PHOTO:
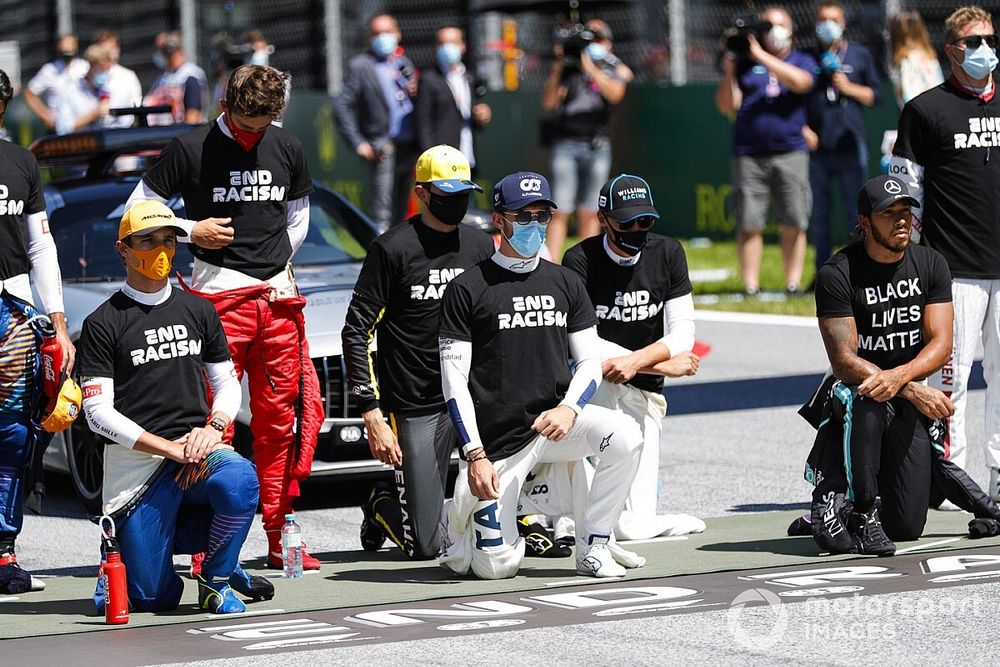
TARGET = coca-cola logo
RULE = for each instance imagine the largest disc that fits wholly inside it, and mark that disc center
(48, 368)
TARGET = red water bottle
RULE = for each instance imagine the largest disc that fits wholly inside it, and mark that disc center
(113, 574)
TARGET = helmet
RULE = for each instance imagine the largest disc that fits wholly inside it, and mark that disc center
(63, 411)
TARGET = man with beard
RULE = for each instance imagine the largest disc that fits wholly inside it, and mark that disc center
(885, 315)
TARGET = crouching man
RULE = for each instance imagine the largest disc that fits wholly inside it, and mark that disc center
(885, 314)
(508, 328)
(170, 483)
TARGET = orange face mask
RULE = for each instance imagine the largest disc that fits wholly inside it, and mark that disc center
(154, 264)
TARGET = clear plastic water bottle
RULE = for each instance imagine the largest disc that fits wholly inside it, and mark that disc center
(291, 547)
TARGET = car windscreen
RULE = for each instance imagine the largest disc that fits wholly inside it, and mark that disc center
(85, 234)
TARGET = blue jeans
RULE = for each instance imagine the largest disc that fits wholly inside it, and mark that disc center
(579, 168)
(212, 515)
(848, 166)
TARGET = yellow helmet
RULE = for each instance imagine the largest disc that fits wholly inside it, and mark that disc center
(58, 416)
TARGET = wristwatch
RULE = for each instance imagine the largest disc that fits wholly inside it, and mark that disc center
(218, 424)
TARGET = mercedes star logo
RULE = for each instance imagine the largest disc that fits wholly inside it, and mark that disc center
(893, 188)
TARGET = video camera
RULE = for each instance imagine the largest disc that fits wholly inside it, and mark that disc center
(573, 39)
(737, 34)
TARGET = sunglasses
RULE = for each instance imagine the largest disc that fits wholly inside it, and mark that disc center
(974, 41)
(523, 217)
(643, 222)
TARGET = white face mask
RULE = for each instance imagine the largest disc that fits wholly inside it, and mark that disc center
(778, 38)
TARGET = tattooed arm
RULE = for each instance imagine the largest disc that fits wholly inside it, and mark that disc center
(840, 336)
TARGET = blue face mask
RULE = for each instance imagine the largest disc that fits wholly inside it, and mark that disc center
(448, 54)
(384, 44)
(527, 239)
(258, 58)
(100, 79)
(980, 62)
(829, 32)
(597, 51)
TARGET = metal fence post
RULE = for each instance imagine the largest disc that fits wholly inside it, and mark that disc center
(676, 13)
(189, 28)
(334, 49)
(64, 17)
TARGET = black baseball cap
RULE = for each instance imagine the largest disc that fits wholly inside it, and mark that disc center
(626, 197)
(882, 192)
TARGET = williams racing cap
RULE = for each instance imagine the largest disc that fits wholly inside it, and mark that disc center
(447, 168)
(146, 215)
(882, 192)
(515, 191)
(626, 197)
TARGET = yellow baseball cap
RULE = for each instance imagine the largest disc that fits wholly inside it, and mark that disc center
(62, 412)
(447, 168)
(144, 216)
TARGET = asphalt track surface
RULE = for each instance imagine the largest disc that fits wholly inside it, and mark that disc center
(733, 446)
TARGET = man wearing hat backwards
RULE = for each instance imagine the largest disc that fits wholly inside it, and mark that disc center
(170, 483)
(641, 292)
(27, 258)
(885, 314)
(398, 296)
(508, 328)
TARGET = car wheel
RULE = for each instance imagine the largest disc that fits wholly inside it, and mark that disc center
(86, 464)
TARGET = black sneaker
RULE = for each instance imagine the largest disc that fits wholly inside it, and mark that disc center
(537, 540)
(801, 527)
(871, 538)
(829, 525)
(372, 535)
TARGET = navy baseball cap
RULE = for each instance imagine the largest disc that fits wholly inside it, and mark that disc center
(626, 197)
(882, 192)
(515, 191)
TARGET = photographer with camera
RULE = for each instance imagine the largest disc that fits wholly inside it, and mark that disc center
(375, 116)
(848, 82)
(765, 83)
(585, 82)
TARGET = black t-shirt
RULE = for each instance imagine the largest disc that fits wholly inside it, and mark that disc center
(519, 326)
(629, 300)
(398, 295)
(20, 196)
(584, 113)
(217, 178)
(887, 301)
(953, 134)
(156, 356)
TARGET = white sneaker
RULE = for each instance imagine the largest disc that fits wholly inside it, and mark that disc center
(37, 584)
(948, 506)
(624, 557)
(598, 562)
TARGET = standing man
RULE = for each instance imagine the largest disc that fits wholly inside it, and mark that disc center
(508, 328)
(639, 285)
(170, 482)
(26, 249)
(847, 84)
(84, 104)
(885, 314)
(398, 297)
(183, 85)
(42, 92)
(944, 152)
(247, 184)
(447, 112)
(766, 88)
(582, 90)
(374, 114)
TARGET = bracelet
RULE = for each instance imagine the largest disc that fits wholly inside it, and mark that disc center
(478, 458)
(218, 424)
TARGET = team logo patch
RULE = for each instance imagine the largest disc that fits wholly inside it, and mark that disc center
(892, 187)
(606, 442)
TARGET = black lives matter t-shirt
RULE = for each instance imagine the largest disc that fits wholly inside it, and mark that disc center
(887, 301)
(156, 356)
(20, 196)
(956, 138)
(398, 295)
(628, 300)
(519, 326)
(217, 178)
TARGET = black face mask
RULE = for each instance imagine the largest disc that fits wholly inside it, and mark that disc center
(631, 242)
(449, 209)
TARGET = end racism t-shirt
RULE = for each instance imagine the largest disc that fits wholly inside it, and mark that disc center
(519, 326)
(887, 301)
(156, 356)
(629, 300)
(20, 196)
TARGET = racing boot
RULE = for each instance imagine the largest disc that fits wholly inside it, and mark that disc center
(250, 585)
(13, 579)
(871, 539)
(537, 541)
(801, 526)
(372, 535)
(595, 559)
(830, 525)
(274, 557)
(218, 598)
(196, 561)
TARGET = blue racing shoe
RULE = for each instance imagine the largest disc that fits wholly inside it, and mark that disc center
(250, 585)
(218, 597)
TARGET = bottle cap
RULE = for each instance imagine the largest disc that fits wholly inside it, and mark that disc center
(289, 517)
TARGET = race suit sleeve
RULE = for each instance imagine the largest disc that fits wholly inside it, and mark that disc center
(909, 158)
(227, 394)
(45, 274)
(456, 363)
(368, 303)
(585, 347)
(298, 222)
(678, 324)
(103, 418)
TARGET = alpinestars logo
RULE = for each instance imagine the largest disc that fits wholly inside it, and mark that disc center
(589, 563)
(606, 442)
